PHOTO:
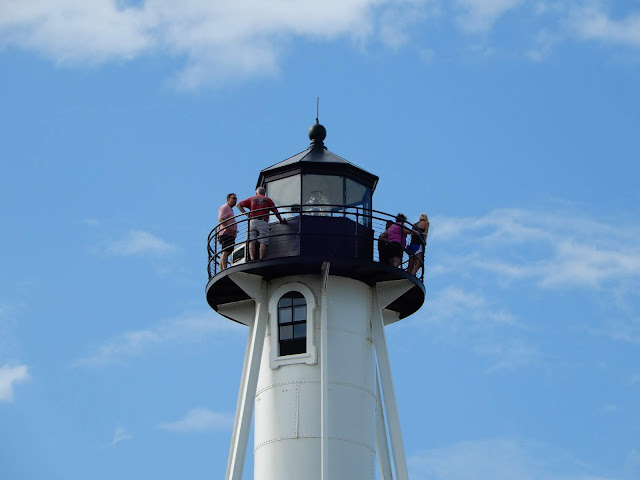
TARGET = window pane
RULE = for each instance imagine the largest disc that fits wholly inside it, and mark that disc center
(284, 315)
(300, 330)
(358, 195)
(293, 347)
(284, 302)
(299, 301)
(285, 191)
(286, 332)
(299, 313)
(322, 190)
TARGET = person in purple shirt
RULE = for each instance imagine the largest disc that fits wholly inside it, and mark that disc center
(227, 229)
(397, 238)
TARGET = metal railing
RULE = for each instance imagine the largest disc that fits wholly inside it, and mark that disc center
(374, 222)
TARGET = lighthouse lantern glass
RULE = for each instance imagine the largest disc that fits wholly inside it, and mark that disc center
(319, 190)
(322, 195)
(285, 191)
(358, 195)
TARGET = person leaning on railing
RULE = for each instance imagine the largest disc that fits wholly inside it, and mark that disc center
(259, 207)
(397, 238)
(418, 244)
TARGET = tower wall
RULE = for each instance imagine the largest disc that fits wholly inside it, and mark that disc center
(288, 397)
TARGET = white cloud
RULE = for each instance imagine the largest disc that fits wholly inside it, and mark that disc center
(137, 342)
(120, 434)
(498, 459)
(479, 16)
(552, 249)
(590, 22)
(218, 39)
(199, 420)
(70, 31)
(221, 41)
(395, 20)
(138, 242)
(10, 376)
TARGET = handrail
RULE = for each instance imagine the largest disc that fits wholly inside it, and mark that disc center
(376, 222)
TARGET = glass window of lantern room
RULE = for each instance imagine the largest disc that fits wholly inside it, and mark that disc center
(358, 196)
(292, 324)
(285, 192)
(319, 190)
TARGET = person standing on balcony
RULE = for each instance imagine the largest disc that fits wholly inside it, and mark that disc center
(383, 242)
(397, 238)
(228, 229)
(259, 208)
(418, 244)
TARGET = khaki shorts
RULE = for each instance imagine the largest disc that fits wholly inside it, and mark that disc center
(259, 230)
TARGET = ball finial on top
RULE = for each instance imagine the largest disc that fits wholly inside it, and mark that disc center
(317, 133)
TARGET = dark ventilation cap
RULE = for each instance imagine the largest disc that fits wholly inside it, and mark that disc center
(317, 134)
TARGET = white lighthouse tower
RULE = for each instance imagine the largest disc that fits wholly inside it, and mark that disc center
(316, 366)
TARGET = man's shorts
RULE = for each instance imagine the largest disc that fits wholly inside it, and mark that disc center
(226, 242)
(259, 230)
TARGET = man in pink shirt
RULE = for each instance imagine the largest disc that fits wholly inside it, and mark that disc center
(227, 229)
(260, 206)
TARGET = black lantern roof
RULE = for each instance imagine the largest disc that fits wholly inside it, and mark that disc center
(317, 159)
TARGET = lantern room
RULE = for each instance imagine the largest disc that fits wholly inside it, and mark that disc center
(318, 182)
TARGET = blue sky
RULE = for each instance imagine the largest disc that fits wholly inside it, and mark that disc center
(512, 123)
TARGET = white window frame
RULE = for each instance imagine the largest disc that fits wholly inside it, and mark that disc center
(310, 357)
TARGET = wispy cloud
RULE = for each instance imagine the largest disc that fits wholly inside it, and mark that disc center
(10, 376)
(553, 249)
(136, 343)
(478, 16)
(199, 420)
(139, 242)
(556, 251)
(119, 435)
(459, 309)
(619, 329)
(512, 354)
(455, 315)
(499, 459)
(591, 22)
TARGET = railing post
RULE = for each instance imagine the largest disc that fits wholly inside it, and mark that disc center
(356, 227)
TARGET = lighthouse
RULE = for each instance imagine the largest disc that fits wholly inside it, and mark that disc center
(316, 373)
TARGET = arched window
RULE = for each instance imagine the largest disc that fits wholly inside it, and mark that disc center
(292, 324)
